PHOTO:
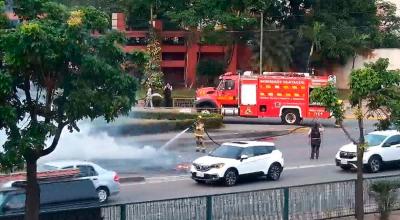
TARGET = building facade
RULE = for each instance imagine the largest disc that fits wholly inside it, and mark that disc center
(182, 51)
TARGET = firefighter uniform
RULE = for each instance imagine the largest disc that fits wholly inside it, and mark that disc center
(199, 135)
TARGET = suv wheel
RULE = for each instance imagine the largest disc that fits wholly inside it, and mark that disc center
(274, 172)
(102, 193)
(374, 164)
(230, 177)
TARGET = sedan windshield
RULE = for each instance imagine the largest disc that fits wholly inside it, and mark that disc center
(226, 151)
(374, 139)
(45, 167)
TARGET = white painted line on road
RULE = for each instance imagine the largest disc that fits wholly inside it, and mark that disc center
(309, 166)
(166, 179)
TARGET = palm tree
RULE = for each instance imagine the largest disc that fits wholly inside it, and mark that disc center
(277, 49)
(317, 34)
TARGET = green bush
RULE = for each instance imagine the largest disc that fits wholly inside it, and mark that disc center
(385, 195)
(169, 115)
(162, 126)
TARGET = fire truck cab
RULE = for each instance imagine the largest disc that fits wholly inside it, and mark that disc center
(272, 94)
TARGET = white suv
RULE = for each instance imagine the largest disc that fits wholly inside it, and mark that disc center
(234, 159)
(383, 147)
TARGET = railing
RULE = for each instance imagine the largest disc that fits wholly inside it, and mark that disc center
(183, 103)
(314, 201)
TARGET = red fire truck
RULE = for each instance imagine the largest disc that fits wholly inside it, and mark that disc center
(272, 94)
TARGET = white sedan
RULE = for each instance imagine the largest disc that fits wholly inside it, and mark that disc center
(105, 181)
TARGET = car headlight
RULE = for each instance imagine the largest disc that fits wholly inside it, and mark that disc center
(217, 166)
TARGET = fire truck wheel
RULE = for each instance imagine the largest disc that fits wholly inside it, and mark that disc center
(291, 117)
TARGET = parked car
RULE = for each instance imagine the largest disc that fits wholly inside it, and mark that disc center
(383, 148)
(106, 182)
(54, 195)
(236, 159)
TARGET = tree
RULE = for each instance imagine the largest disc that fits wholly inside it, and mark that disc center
(56, 72)
(374, 92)
(210, 69)
(153, 76)
(3, 17)
(389, 27)
(277, 50)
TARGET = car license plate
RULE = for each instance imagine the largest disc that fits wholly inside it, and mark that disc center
(344, 162)
(200, 174)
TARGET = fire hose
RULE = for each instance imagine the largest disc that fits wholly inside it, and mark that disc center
(273, 136)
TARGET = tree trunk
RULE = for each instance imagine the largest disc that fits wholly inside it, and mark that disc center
(32, 202)
(354, 61)
(309, 56)
(360, 154)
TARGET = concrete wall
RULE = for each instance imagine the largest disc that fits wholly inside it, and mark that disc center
(343, 72)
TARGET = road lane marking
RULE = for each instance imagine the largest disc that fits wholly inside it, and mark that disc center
(308, 166)
(166, 179)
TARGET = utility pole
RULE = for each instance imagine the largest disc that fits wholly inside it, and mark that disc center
(261, 42)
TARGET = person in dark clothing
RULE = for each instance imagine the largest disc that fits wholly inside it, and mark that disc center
(315, 135)
(168, 95)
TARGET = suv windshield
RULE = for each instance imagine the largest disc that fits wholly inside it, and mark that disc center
(374, 139)
(226, 151)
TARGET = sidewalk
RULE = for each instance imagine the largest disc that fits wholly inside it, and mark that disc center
(349, 112)
(395, 215)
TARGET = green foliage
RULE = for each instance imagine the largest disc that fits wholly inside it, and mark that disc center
(56, 73)
(168, 115)
(165, 121)
(385, 195)
(153, 76)
(135, 63)
(210, 68)
(277, 50)
(389, 36)
(329, 97)
(379, 89)
(3, 18)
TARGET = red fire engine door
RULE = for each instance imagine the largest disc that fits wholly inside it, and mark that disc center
(248, 98)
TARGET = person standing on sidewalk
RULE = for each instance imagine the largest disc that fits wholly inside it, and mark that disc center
(315, 135)
(149, 98)
(168, 95)
(199, 135)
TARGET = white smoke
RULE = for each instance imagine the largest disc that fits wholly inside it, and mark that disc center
(86, 145)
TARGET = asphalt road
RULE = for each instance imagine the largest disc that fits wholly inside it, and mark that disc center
(295, 147)
(299, 169)
(182, 186)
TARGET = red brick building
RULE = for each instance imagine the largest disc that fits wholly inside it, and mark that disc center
(181, 51)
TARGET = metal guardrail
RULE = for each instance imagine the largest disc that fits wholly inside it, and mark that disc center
(183, 102)
(313, 201)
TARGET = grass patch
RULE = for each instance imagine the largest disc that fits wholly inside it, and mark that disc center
(184, 93)
(176, 93)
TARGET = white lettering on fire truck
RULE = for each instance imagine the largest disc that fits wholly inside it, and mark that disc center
(290, 82)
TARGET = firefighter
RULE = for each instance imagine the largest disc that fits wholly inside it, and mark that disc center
(199, 134)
